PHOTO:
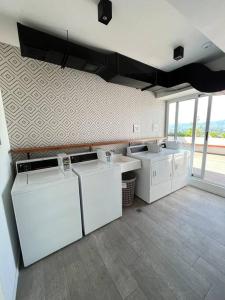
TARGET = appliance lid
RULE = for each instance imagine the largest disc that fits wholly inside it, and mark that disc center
(92, 167)
(47, 176)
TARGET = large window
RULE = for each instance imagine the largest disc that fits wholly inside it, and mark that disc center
(171, 120)
(199, 124)
(185, 122)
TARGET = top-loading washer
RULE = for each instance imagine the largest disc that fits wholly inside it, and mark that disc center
(47, 207)
(100, 190)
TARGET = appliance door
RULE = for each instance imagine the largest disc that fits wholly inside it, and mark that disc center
(161, 184)
(180, 165)
(101, 194)
(48, 218)
(180, 170)
(161, 171)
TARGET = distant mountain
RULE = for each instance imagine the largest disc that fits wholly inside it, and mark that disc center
(218, 126)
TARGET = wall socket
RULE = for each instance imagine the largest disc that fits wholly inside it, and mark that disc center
(136, 128)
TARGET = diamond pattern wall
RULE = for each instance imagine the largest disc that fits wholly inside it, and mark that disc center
(47, 105)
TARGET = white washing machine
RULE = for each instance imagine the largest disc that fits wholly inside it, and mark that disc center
(100, 190)
(47, 207)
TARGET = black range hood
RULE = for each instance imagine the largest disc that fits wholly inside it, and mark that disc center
(114, 67)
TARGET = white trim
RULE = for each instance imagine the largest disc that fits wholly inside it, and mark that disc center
(184, 98)
(16, 277)
(176, 120)
(205, 148)
(166, 119)
(207, 186)
(167, 96)
(194, 133)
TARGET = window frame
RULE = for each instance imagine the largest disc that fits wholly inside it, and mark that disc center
(195, 96)
(177, 101)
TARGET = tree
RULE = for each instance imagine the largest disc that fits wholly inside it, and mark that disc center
(213, 134)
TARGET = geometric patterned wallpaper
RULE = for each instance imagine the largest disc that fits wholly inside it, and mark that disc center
(46, 105)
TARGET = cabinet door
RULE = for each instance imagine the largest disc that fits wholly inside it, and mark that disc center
(161, 171)
(180, 165)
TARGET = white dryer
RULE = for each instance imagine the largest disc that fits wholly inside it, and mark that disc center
(162, 173)
(47, 207)
(100, 190)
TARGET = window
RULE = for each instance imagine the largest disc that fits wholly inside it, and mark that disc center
(199, 124)
(171, 120)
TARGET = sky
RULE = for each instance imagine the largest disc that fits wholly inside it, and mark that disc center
(186, 110)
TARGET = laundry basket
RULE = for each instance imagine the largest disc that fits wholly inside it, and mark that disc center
(128, 186)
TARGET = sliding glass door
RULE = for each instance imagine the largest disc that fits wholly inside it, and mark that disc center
(185, 122)
(214, 169)
(199, 124)
(199, 135)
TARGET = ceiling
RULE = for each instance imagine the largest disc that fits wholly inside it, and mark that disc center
(207, 16)
(145, 30)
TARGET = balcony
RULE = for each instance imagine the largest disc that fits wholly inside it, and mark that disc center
(215, 158)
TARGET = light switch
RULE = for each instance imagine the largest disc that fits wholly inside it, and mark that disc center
(155, 127)
(136, 128)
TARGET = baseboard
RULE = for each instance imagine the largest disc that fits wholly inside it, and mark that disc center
(16, 278)
(206, 186)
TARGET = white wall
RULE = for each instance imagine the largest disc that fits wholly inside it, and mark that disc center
(46, 105)
(8, 235)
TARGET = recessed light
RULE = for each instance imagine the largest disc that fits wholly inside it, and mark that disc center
(207, 45)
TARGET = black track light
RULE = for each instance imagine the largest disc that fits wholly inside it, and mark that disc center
(104, 11)
(178, 53)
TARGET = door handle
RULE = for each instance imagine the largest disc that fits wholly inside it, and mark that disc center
(206, 136)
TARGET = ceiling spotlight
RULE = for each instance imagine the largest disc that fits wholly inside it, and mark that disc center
(178, 53)
(104, 11)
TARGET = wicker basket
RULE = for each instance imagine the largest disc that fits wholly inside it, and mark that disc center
(128, 187)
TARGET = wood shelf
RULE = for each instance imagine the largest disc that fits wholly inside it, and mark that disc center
(88, 145)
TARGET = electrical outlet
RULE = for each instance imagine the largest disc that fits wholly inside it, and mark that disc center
(136, 128)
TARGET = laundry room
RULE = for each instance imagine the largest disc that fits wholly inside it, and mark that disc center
(112, 150)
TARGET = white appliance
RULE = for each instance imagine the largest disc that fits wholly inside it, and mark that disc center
(100, 190)
(47, 207)
(173, 144)
(161, 173)
(154, 147)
